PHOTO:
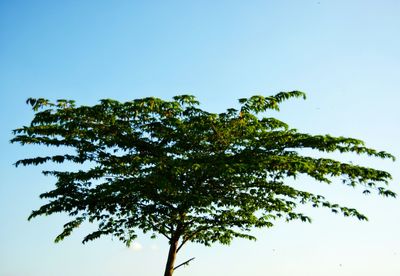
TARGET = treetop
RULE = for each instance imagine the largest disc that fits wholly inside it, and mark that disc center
(174, 169)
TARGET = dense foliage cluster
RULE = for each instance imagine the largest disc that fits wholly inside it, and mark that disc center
(171, 168)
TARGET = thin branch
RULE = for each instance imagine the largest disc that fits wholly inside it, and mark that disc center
(184, 263)
(165, 235)
(156, 227)
(185, 240)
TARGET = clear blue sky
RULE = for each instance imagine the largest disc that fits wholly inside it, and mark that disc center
(344, 54)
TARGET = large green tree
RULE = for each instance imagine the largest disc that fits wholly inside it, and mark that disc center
(173, 169)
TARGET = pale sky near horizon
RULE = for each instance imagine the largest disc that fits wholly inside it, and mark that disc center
(344, 54)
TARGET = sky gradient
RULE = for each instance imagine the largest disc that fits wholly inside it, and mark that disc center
(344, 54)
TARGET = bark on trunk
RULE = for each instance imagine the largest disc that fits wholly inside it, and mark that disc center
(169, 268)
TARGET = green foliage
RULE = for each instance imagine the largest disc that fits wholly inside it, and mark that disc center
(171, 168)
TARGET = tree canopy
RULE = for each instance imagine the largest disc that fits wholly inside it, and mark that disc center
(173, 169)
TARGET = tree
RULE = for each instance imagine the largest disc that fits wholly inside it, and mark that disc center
(173, 169)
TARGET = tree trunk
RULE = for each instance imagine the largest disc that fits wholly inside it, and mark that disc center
(169, 268)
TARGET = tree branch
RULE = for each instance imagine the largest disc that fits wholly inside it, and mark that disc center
(185, 240)
(184, 263)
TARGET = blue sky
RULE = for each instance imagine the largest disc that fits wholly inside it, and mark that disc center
(344, 54)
